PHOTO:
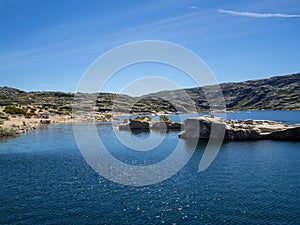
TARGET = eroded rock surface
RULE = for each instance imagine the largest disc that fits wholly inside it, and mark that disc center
(134, 124)
(201, 127)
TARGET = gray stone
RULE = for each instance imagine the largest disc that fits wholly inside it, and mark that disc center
(134, 124)
(235, 130)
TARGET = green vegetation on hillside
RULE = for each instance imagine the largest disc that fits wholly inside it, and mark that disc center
(13, 110)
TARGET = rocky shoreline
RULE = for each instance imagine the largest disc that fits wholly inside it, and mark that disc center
(206, 127)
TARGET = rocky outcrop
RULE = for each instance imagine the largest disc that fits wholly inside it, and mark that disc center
(134, 124)
(129, 124)
(236, 130)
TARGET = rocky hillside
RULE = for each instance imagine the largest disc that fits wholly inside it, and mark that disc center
(275, 93)
(280, 92)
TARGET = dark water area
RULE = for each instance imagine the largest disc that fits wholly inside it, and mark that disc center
(45, 180)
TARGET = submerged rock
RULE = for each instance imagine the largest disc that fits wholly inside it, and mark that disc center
(235, 130)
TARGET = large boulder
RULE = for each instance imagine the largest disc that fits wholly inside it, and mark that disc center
(201, 127)
(134, 125)
(146, 124)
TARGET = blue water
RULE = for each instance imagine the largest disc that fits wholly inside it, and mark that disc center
(289, 117)
(45, 180)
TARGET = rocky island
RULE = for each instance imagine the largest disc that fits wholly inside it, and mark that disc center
(239, 130)
(146, 123)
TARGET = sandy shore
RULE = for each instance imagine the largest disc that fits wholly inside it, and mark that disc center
(21, 124)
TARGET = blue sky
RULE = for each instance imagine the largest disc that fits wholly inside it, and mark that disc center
(48, 45)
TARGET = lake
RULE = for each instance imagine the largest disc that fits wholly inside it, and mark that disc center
(45, 180)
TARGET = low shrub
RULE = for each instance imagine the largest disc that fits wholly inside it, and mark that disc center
(140, 118)
(3, 116)
(164, 118)
(13, 110)
(32, 110)
(108, 116)
(5, 132)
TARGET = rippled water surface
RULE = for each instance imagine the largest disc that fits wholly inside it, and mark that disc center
(45, 180)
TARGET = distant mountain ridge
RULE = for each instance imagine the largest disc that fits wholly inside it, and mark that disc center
(275, 93)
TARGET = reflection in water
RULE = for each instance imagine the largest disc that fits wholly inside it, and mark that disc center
(145, 132)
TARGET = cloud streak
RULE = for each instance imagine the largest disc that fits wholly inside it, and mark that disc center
(259, 15)
(194, 7)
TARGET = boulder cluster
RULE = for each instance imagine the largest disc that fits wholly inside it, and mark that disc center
(146, 124)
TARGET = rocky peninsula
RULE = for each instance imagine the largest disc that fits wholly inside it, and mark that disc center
(239, 130)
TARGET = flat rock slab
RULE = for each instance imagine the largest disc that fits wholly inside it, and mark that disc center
(200, 127)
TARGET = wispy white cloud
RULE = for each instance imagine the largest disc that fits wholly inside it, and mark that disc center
(194, 7)
(258, 15)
